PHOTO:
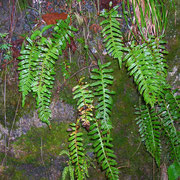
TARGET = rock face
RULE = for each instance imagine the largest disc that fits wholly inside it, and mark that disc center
(174, 77)
(61, 112)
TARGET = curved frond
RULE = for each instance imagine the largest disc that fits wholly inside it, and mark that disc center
(148, 68)
(44, 77)
(37, 65)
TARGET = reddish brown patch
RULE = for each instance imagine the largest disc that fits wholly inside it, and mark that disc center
(95, 27)
(51, 18)
(104, 4)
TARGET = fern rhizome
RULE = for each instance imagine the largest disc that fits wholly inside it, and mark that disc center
(144, 57)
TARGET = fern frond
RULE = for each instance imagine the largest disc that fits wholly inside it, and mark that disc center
(77, 152)
(169, 113)
(29, 57)
(37, 65)
(84, 103)
(102, 147)
(103, 78)
(44, 77)
(69, 168)
(112, 34)
(149, 129)
(147, 65)
(63, 32)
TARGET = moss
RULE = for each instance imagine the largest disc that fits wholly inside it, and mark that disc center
(41, 140)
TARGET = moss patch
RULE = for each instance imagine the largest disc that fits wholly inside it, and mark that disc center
(41, 141)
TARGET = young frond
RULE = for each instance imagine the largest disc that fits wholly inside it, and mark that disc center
(63, 32)
(69, 168)
(149, 129)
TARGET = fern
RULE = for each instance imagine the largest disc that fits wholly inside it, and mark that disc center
(84, 97)
(102, 148)
(84, 103)
(147, 65)
(29, 55)
(37, 70)
(169, 113)
(100, 130)
(69, 168)
(37, 65)
(149, 129)
(77, 152)
(103, 78)
(62, 33)
(112, 34)
(44, 79)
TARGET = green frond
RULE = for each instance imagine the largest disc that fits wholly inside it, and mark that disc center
(149, 129)
(63, 32)
(76, 150)
(103, 78)
(44, 77)
(27, 65)
(169, 113)
(102, 147)
(148, 68)
(69, 168)
(112, 34)
(37, 65)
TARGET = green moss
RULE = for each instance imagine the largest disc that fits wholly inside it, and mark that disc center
(42, 140)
